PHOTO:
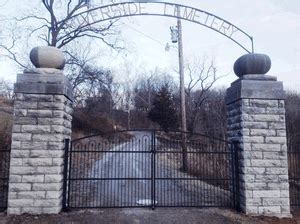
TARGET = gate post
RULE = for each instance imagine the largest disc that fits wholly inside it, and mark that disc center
(42, 120)
(256, 119)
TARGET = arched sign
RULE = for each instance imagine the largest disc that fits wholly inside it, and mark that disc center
(126, 9)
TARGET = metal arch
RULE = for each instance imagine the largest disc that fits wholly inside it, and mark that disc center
(191, 14)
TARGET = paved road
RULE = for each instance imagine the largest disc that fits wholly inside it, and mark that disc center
(146, 216)
(135, 166)
(119, 163)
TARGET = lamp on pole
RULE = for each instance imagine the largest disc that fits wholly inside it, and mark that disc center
(176, 36)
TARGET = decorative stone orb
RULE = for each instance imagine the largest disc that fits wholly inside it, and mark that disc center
(258, 64)
(47, 57)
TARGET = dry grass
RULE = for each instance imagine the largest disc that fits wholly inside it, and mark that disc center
(207, 159)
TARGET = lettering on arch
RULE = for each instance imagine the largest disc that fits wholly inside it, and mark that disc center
(126, 9)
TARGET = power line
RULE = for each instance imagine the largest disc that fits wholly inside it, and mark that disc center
(146, 35)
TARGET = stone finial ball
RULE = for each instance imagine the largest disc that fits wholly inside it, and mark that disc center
(47, 57)
(258, 64)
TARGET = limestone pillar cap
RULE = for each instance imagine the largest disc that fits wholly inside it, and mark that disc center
(47, 57)
(248, 64)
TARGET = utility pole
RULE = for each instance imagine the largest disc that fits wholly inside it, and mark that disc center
(176, 36)
(182, 93)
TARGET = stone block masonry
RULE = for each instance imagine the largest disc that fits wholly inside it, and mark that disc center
(42, 121)
(256, 120)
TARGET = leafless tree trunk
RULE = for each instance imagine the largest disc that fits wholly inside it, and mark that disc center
(201, 78)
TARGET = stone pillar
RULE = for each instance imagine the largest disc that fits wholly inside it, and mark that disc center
(256, 119)
(42, 121)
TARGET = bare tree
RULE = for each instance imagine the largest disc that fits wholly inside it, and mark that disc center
(65, 24)
(57, 23)
(202, 76)
(90, 82)
(293, 119)
(6, 111)
(149, 83)
(6, 89)
(145, 89)
(212, 115)
(61, 22)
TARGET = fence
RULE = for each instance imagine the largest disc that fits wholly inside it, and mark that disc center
(294, 174)
(4, 175)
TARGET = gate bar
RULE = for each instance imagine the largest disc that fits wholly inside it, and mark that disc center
(236, 177)
(153, 169)
(67, 143)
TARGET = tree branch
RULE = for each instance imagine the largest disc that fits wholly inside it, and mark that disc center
(12, 55)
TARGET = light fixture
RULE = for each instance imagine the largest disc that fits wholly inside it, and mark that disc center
(167, 48)
(174, 34)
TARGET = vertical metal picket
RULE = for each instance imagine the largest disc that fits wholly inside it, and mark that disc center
(4, 175)
(65, 183)
(153, 169)
(233, 174)
(236, 177)
(294, 174)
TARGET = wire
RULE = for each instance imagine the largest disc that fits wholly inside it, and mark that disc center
(146, 35)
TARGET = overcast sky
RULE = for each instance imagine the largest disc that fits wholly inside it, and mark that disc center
(274, 24)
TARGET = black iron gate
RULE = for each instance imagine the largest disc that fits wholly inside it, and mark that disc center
(4, 173)
(149, 169)
(294, 172)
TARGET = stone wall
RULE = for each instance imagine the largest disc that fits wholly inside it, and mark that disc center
(258, 125)
(42, 121)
